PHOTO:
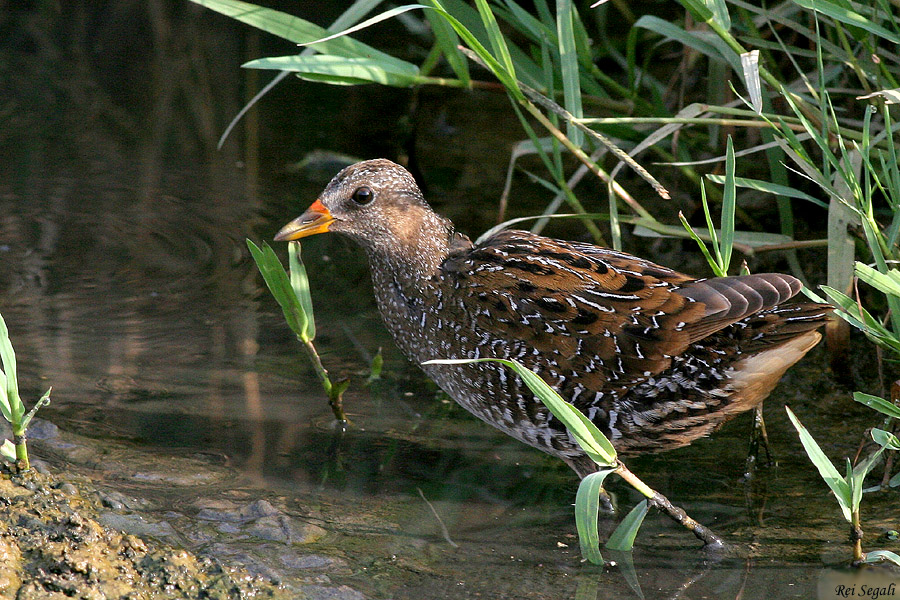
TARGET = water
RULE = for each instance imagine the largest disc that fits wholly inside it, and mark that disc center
(127, 286)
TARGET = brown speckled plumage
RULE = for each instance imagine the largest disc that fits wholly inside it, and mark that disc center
(653, 357)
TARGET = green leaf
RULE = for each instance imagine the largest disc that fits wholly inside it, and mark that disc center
(719, 13)
(447, 40)
(297, 30)
(623, 537)
(861, 319)
(44, 401)
(886, 439)
(11, 404)
(587, 509)
(5, 408)
(340, 70)
(844, 15)
(300, 285)
(879, 404)
(876, 556)
(839, 486)
(888, 282)
(771, 188)
(712, 47)
(895, 481)
(568, 56)
(499, 69)
(8, 449)
(728, 208)
(699, 9)
(279, 284)
(498, 42)
(596, 445)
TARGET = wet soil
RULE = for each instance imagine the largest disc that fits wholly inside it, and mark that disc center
(52, 545)
(62, 536)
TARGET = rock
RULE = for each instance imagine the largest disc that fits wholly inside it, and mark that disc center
(286, 530)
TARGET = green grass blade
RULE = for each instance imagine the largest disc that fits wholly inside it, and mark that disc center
(447, 40)
(883, 282)
(498, 42)
(8, 449)
(568, 56)
(768, 187)
(877, 556)
(711, 47)
(279, 284)
(329, 68)
(12, 406)
(300, 285)
(839, 486)
(728, 208)
(706, 254)
(295, 29)
(596, 445)
(587, 509)
(845, 15)
(880, 404)
(44, 401)
(719, 12)
(886, 439)
(623, 537)
(5, 408)
(498, 69)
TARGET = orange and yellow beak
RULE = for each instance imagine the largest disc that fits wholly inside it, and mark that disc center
(316, 219)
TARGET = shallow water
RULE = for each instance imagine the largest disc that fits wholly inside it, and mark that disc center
(127, 285)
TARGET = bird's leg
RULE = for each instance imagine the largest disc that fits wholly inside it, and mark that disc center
(759, 438)
(655, 499)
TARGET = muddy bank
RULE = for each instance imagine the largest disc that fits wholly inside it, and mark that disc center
(61, 536)
(53, 546)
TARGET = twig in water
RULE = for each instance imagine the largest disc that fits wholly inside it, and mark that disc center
(444, 531)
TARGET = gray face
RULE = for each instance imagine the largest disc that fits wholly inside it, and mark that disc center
(376, 202)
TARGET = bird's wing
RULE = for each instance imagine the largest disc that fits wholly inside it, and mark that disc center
(596, 312)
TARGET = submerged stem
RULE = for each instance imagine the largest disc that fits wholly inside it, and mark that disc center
(335, 391)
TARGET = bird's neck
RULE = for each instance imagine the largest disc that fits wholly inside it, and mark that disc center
(415, 252)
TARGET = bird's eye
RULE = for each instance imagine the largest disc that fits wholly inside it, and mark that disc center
(363, 195)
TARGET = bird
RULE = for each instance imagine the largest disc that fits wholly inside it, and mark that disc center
(653, 357)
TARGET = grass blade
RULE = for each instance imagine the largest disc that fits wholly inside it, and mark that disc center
(879, 404)
(300, 285)
(886, 439)
(876, 556)
(771, 188)
(295, 29)
(568, 57)
(596, 445)
(884, 282)
(839, 486)
(44, 401)
(11, 406)
(341, 70)
(498, 42)
(280, 285)
(622, 538)
(587, 510)
(844, 15)
(8, 449)
(447, 40)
